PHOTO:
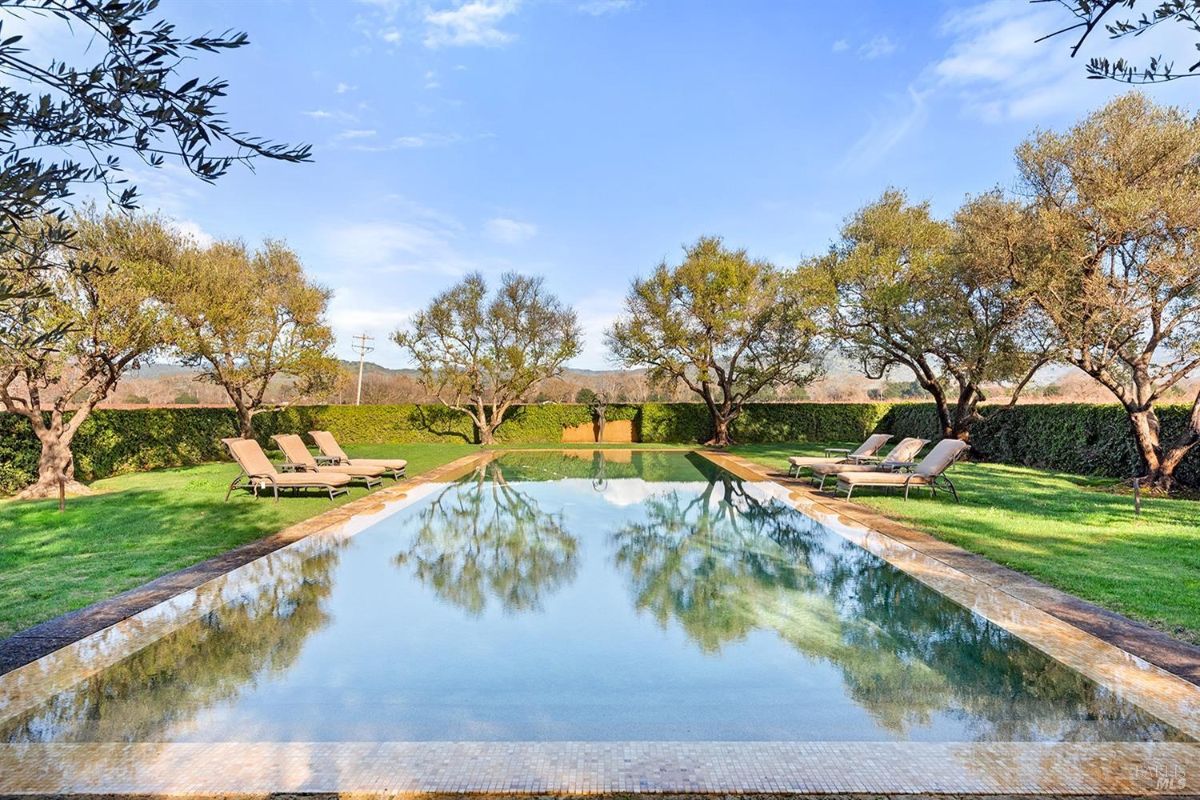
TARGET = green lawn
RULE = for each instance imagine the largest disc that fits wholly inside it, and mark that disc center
(144, 525)
(1066, 530)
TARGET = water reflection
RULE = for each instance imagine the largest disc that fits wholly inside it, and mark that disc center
(725, 563)
(228, 651)
(482, 538)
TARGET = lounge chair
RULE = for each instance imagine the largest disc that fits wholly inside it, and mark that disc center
(929, 472)
(837, 455)
(332, 454)
(900, 457)
(300, 460)
(260, 473)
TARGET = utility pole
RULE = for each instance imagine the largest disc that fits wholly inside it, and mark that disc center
(362, 346)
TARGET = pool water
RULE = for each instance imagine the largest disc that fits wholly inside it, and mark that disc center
(589, 596)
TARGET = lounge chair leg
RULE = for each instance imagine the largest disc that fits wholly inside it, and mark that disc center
(231, 487)
(849, 492)
(906, 490)
(276, 489)
(953, 491)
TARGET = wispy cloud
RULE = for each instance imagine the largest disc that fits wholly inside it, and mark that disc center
(598, 8)
(877, 47)
(343, 87)
(903, 116)
(356, 133)
(509, 231)
(840, 46)
(473, 23)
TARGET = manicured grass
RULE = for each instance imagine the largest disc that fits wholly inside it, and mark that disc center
(145, 525)
(1069, 531)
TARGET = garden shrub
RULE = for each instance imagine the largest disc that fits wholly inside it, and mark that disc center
(392, 424)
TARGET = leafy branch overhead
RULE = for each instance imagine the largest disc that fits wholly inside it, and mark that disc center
(66, 125)
(1121, 20)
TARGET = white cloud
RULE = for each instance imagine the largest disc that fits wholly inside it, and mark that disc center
(878, 47)
(597, 310)
(509, 231)
(407, 142)
(998, 70)
(841, 45)
(193, 231)
(431, 79)
(343, 87)
(471, 23)
(355, 134)
(391, 36)
(599, 8)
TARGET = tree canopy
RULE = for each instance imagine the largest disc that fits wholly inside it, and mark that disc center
(249, 320)
(725, 325)
(1112, 261)
(66, 124)
(902, 288)
(94, 324)
(482, 354)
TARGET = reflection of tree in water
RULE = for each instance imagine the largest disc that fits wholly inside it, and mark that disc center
(197, 666)
(482, 539)
(724, 564)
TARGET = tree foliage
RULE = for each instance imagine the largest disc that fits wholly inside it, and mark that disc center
(901, 288)
(248, 320)
(1114, 256)
(1121, 20)
(66, 125)
(725, 325)
(93, 324)
(481, 354)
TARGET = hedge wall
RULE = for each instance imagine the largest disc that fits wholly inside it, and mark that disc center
(1079, 438)
(1083, 438)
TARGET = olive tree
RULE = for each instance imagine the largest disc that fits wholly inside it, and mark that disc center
(252, 322)
(480, 353)
(721, 323)
(902, 288)
(1115, 259)
(94, 324)
(67, 118)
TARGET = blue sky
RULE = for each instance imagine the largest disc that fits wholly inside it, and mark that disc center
(586, 140)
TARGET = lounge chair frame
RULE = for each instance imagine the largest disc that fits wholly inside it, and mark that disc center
(291, 466)
(924, 480)
(257, 482)
(326, 459)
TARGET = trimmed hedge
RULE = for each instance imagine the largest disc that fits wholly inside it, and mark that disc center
(1083, 438)
(1079, 438)
(395, 424)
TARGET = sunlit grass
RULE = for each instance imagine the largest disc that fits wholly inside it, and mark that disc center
(1066, 530)
(144, 525)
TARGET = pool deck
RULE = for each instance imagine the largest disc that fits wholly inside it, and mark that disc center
(1154, 674)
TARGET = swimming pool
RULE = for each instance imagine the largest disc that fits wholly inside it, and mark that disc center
(604, 597)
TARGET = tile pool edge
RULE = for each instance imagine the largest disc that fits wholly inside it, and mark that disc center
(1170, 697)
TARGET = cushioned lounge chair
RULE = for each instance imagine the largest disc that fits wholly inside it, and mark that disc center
(835, 455)
(300, 460)
(930, 472)
(900, 457)
(259, 473)
(332, 454)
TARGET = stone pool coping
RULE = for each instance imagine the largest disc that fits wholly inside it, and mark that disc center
(607, 768)
(1150, 644)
